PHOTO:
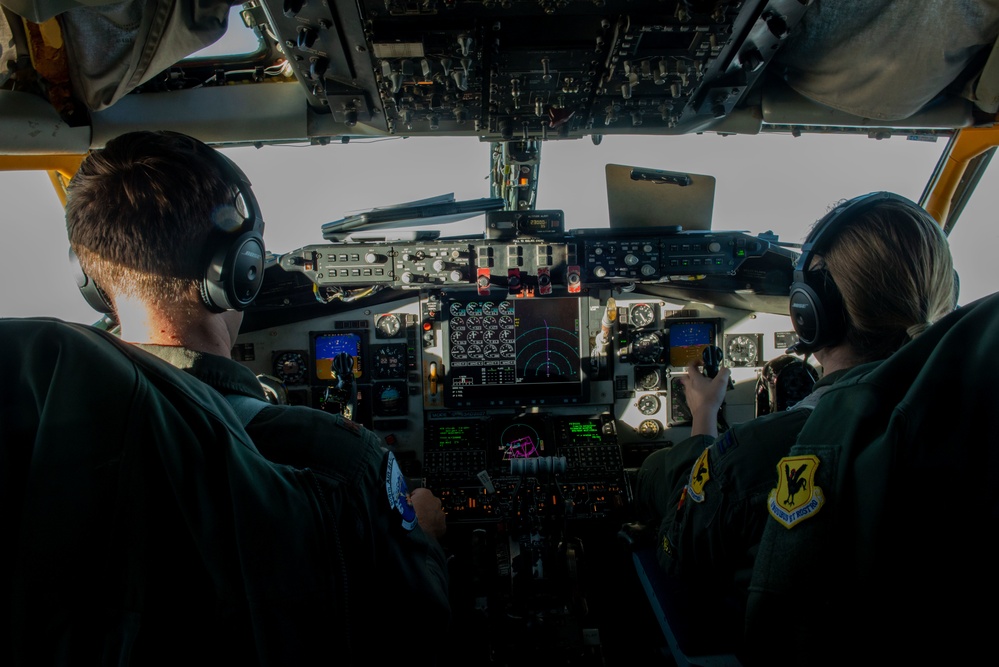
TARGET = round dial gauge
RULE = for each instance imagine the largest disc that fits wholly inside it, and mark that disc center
(649, 404)
(388, 326)
(290, 367)
(650, 428)
(647, 348)
(647, 378)
(457, 309)
(742, 350)
(642, 315)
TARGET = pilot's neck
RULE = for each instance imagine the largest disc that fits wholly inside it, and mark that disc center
(837, 358)
(191, 326)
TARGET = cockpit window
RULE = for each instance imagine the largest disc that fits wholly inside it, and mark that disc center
(239, 41)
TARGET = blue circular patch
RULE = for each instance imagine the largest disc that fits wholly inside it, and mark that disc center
(398, 492)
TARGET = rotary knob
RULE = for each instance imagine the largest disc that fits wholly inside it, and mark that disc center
(600, 272)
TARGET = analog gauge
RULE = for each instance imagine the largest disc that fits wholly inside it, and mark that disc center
(457, 309)
(506, 350)
(388, 326)
(642, 315)
(742, 350)
(390, 361)
(457, 336)
(490, 351)
(474, 321)
(507, 335)
(474, 308)
(475, 350)
(489, 308)
(490, 334)
(505, 308)
(647, 348)
(649, 404)
(457, 322)
(647, 378)
(505, 321)
(290, 367)
(650, 428)
(489, 322)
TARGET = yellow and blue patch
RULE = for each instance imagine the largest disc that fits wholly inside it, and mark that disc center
(796, 497)
(699, 476)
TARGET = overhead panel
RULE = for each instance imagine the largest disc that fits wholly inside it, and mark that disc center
(531, 69)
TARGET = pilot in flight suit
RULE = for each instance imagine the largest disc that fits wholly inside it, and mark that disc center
(853, 303)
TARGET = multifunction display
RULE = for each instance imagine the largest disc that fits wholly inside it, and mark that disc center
(514, 352)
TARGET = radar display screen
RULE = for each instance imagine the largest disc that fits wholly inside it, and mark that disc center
(514, 352)
(687, 341)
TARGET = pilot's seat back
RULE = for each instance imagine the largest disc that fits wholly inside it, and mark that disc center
(784, 381)
(140, 523)
(884, 546)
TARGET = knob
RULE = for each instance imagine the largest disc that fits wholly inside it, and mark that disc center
(714, 246)
(600, 272)
(630, 260)
(647, 269)
(455, 276)
(307, 37)
(371, 257)
(407, 277)
(439, 265)
(406, 257)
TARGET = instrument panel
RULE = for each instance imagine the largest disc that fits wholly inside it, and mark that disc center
(439, 374)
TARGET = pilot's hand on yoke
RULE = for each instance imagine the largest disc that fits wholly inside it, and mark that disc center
(429, 512)
(705, 397)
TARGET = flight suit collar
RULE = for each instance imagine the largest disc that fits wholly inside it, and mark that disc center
(225, 375)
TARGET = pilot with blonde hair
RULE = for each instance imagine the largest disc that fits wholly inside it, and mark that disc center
(874, 273)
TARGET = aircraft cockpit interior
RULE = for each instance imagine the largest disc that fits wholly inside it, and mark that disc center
(523, 373)
(522, 360)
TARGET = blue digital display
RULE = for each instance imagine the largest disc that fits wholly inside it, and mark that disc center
(327, 346)
(687, 341)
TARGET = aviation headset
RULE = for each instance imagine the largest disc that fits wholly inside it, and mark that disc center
(234, 260)
(817, 311)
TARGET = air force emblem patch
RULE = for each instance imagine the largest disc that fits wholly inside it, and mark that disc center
(699, 476)
(796, 497)
(398, 492)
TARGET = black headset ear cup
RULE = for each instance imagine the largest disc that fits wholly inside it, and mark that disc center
(817, 312)
(91, 291)
(234, 273)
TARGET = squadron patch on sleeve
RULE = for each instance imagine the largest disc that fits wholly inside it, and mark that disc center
(398, 492)
(796, 497)
(699, 475)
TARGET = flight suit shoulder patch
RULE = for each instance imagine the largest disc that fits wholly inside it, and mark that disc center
(796, 496)
(699, 476)
(398, 492)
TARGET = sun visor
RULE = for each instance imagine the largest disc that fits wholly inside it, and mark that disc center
(112, 48)
(837, 55)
